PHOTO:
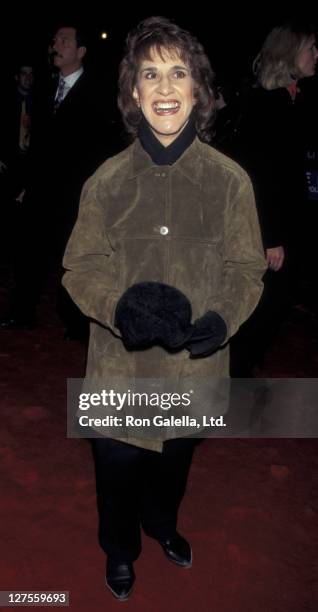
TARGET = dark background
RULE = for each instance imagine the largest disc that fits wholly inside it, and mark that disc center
(231, 36)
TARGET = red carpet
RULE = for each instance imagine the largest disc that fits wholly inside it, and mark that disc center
(250, 511)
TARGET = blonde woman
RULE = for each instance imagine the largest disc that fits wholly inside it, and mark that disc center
(271, 147)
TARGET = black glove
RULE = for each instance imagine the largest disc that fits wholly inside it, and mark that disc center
(208, 334)
(151, 313)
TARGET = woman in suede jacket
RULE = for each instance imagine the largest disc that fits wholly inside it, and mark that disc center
(166, 259)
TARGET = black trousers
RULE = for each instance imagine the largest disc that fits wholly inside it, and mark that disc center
(138, 488)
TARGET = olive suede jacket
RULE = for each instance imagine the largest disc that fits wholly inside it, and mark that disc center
(192, 225)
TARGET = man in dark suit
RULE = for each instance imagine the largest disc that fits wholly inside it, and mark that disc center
(15, 121)
(15, 130)
(70, 138)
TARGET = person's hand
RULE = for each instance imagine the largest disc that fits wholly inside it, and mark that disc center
(209, 332)
(3, 167)
(20, 197)
(275, 258)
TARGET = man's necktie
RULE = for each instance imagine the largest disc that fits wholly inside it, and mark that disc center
(59, 93)
(25, 125)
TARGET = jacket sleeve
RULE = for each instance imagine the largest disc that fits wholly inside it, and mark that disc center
(90, 277)
(243, 257)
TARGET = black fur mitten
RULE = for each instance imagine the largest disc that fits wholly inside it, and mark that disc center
(208, 334)
(150, 313)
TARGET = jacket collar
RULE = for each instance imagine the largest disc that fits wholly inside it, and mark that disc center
(190, 163)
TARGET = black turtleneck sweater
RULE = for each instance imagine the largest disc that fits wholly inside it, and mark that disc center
(165, 156)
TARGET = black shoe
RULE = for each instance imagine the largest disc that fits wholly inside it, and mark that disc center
(17, 323)
(177, 550)
(120, 578)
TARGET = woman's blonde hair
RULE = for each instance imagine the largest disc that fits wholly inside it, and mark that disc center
(275, 65)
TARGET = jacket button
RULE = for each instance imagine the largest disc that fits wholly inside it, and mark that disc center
(164, 230)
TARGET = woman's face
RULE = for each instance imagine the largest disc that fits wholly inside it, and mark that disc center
(307, 58)
(164, 92)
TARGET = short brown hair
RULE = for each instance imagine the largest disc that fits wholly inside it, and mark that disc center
(160, 33)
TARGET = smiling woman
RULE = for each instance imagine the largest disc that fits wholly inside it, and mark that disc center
(166, 260)
(166, 65)
(164, 92)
